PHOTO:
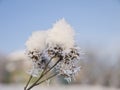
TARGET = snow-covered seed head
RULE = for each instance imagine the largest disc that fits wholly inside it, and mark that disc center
(57, 42)
(69, 66)
(54, 50)
(37, 41)
(61, 34)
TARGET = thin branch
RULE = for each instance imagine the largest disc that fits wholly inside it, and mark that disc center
(47, 65)
(44, 74)
(52, 67)
(47, 79)
(28, 82)
(43, 81)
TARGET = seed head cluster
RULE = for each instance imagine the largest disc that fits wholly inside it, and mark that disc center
(57, 50)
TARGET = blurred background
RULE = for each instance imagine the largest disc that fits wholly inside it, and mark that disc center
(97, 27)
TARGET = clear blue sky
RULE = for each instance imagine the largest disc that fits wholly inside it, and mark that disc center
(95, 21)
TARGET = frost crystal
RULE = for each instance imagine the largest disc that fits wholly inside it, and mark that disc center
(69, 66)
(58, 45)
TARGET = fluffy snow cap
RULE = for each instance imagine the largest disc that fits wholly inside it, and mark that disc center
(37, 41)
(61, 33)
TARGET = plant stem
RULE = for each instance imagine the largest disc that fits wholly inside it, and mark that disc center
(52, 67)
(43, 74)
(43, 81)
(47, 65)
(47, 79)
(28, 82)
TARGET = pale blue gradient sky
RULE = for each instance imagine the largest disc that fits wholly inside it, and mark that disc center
(95, 21)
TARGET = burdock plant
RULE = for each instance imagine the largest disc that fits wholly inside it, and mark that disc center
(54, 52)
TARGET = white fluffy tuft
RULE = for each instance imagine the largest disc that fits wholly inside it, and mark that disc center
(37, 41)
(61, 33)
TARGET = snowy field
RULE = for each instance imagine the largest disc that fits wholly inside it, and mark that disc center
(75, 87)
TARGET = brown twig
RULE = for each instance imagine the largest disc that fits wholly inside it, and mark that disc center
(43, 74)
(47, 79)
(28, 82)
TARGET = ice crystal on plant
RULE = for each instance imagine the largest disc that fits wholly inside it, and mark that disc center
(69, 66)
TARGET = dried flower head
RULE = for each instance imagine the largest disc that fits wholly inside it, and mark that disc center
(54, 49)
(69, 66)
